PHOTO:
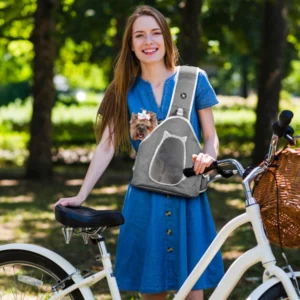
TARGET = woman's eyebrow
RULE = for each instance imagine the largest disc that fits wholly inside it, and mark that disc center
(143, 30)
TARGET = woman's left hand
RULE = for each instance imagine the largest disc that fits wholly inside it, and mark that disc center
(201, 161)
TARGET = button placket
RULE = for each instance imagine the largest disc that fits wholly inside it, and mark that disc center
(169, 225)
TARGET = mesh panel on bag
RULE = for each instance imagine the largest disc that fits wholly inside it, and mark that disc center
(169, 160)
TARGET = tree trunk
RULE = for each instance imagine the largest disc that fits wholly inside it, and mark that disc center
(39, 164)
(271, 70)
(244, 76)
(190, 32)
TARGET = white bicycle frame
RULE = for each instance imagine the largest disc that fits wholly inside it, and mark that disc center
(260, 253)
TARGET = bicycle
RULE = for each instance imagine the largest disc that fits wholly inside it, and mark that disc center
(41, 273)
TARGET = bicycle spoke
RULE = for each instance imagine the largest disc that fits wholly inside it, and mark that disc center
(23, 282)
(15, 295)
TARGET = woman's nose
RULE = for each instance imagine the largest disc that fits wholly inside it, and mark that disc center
(148, 39)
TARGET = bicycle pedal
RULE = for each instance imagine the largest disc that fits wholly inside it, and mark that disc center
(98, 257)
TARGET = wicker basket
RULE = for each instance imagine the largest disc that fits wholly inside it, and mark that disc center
(281, 217)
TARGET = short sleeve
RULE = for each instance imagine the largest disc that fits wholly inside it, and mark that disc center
(205, 95)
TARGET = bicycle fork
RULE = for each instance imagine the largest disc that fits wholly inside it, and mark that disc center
(261, 253)
(266, 255)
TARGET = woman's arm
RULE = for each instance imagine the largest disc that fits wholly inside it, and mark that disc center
(210, 140)
(103, 155)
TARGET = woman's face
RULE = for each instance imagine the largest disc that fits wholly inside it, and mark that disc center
(147, 40)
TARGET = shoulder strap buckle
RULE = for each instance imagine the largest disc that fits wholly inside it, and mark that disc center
(184, 92)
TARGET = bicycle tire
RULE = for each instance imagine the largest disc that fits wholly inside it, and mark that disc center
(36, 276)
(276, 292)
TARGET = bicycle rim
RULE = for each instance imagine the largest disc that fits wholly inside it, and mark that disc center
(26, 276)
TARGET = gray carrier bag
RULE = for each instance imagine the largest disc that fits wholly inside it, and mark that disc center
(168, 149)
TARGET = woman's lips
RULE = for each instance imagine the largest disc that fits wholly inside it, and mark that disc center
(150, 51)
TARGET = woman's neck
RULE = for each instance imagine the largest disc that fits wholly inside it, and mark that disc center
(156, 74)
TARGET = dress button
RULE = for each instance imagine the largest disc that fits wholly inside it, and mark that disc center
(169, 231)
(168, 213)
(170, 249)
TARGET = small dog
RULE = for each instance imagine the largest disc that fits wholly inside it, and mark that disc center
(142, 124)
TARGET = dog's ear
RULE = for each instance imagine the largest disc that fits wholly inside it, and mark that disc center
(153, 117)
(133, 117)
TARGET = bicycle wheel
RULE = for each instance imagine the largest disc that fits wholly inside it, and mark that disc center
(27, 275)
(276, 292)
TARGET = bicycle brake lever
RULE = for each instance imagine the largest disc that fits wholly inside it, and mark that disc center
(227, 173)
(288, 135)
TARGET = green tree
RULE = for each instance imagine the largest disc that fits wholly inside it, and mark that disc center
(231, 32)
(271, 73)
(190, 32)
(39, 164)
(15, 48)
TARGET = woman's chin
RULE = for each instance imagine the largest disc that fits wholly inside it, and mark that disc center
(152, 60)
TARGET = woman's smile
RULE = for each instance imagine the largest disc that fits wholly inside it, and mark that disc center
(150, 51)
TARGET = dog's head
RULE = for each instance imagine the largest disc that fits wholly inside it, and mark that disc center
(142, 124)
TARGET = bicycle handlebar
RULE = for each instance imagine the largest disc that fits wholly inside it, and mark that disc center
(188, 172)
(280, 128)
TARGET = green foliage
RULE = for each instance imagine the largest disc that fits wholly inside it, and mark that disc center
(15, 49)
(12, 91)
(82, 74)
(89, 32)
(73, 126)
(292, 82)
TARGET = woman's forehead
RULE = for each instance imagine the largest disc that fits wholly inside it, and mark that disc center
(144, 23)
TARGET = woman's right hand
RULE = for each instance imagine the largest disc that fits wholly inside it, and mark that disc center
(70, 201)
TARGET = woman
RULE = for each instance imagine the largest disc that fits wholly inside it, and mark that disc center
(163, 236)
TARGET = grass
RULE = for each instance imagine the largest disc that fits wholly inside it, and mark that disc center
(26, 216)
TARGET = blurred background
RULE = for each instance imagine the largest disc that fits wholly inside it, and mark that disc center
(57, 60)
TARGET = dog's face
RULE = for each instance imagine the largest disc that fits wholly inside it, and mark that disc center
(142, 124)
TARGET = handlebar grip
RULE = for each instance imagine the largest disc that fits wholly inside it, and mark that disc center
(188, 172)
(285, 118)
(280, 127)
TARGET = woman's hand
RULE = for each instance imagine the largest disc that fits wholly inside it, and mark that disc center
(201, 161)
(71, 201)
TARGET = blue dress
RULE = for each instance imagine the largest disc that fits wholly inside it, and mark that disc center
(165, 236)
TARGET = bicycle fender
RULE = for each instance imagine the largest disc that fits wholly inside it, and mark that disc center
(261, 289)
(57, 259)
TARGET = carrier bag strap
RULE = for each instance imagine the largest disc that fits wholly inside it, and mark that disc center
(184, 92)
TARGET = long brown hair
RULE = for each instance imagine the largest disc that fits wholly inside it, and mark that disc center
(113, 111)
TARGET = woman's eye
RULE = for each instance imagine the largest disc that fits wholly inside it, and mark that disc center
(139, 35)
(157, 32)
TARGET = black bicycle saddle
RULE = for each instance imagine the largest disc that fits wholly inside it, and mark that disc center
(87, 217)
